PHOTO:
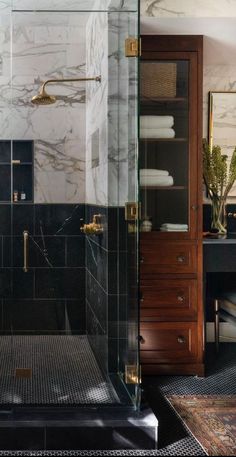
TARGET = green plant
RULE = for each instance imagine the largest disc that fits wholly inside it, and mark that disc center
(219, 177)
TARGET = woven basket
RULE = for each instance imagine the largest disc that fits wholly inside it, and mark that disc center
(158, 79)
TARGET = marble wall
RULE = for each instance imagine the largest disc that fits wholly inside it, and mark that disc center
(189, 8)
(36, 47)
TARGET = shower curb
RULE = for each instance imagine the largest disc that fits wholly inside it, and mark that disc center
(87, 428)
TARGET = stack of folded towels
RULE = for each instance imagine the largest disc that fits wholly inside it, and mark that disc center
(152, 177)
(157, 127)
(174, 227)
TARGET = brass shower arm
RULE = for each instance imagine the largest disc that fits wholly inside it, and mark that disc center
(68, 80)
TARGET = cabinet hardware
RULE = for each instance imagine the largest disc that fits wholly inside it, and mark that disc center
(132, 47)
(194, 207)
(181, 339)
(181, 258)
(141, 259)
(180, 298)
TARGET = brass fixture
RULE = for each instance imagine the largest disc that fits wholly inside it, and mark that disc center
(43, 98)
(26, 251)
(95, 227)
(232, 215)
(132, 374)
(132, 211)
(132, 47)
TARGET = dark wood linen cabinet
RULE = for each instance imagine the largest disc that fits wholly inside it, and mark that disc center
(171, 305)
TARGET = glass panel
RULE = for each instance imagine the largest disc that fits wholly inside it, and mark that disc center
(164, 161)
(66, 313)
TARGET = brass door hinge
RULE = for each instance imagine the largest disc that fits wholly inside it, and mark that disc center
(132, 211)
(133, 47)
(132, 374)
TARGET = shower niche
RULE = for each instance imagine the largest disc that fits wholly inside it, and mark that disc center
(16, 171)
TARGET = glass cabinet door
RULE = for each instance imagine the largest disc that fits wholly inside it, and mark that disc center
(167, 164)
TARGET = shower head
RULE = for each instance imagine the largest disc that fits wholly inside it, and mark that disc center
(43, 98)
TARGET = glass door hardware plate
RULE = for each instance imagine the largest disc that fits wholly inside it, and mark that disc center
(132, 374)
(132, 47)
(132, 211)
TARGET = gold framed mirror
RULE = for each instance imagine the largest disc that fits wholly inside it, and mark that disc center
(222, 123)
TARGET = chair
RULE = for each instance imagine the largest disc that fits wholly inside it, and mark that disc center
(225, 309)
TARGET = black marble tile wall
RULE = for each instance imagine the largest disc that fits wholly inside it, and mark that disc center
(50, 297)
(107, 287)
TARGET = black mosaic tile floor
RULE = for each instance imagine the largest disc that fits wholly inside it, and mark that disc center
(64, 371)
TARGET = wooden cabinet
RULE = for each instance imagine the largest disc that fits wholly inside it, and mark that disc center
(171, 308)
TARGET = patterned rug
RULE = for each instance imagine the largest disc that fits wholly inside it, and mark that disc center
(211, 419)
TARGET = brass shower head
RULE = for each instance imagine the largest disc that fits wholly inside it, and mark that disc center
(43, 98)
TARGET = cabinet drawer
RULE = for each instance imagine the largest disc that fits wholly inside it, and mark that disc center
(168, 342)
(171, 257)
(174, 299)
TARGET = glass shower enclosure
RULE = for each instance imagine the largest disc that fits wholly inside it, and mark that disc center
(68, 204)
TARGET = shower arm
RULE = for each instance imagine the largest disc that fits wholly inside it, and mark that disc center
(67, 80)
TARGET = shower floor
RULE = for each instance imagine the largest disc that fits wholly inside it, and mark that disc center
(64, 371)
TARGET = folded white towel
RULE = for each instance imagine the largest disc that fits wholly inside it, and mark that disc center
(163, 229)
(164, 181)
(144, 172)
(157, 133)
(175, 226)
(152, 122)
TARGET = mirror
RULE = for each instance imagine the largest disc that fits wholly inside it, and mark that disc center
(222, 124)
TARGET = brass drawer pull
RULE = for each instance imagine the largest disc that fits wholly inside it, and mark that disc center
(181, 258)
(181, 297)
(181, 339)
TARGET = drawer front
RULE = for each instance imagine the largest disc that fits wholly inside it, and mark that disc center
(164, 299)
(167, 258)
(168, 342)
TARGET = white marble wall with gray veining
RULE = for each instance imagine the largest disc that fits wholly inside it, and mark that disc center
(46, 46)
(111, 111)
(189, 8)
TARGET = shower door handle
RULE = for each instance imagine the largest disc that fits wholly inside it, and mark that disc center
(26, 251)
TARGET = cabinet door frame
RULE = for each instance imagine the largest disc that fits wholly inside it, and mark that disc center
(195, 162)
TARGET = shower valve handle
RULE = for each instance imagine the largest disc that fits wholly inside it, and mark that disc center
(95, 227)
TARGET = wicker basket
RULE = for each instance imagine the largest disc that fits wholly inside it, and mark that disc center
(158, 79)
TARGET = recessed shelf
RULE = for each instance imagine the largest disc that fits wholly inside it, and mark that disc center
(154, 101)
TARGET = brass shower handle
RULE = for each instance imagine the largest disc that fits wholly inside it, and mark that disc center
(95, 227)
(26, 251)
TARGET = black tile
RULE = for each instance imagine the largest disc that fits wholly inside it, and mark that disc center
(5, 219)
(21, 438)
(76, 316)
(113, 355)
(5, 282)
(113, 316)
(98, 300)
(40, 255)
(100, 438)
(23, 283)
(61, 219)
(34, 315)
(60, 283)
(97, 262)
(97, 338)
(23, 219)
(5, 182)
(5, 151)
(23, 150)
(75, 251)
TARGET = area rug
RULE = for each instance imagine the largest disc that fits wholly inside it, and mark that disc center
(211, 419)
